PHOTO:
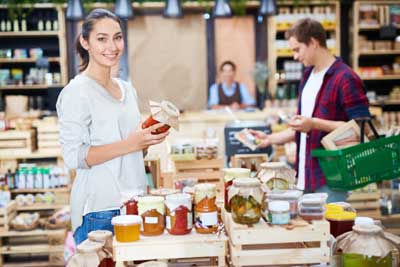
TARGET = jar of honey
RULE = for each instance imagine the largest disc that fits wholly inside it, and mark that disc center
(152, 210)
(127, 227)
(246, 199)
(164, 112)
(130, 200)
(179, 220)
(230, 175)
(205, 211)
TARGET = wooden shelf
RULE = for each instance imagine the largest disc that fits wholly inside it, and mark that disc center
(385, 77)
(36, 232)
(372, 27)
(329, 29)
(35, 207)
(33, 155)
(36, 190)
(385, 103)
(377, 52)
(29, 34)
(28, 249)
(30, 87)
(27, 60)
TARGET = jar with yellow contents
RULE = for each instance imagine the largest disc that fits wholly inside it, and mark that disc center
(246, 198)
(205, 211)
(229, 176)
(152, 211)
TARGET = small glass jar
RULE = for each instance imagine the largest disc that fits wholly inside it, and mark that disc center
(179, 219)
(230, 175)
(292, 196)
(165, 112)
(126, 227)
(152, 210)
(246, 198)
(205, 211)
(130, 201)
(279, 212)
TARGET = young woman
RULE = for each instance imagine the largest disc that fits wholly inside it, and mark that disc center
(100, 131)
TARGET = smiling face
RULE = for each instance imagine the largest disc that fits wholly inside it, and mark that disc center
(105, 43)
(227, 73)
(302, 52)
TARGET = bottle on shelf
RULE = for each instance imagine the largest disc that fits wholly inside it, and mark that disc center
(38, 178)
(8, 24)
(40, 22)
(24, 26)
(10, 179)
(16, 24)
(2, 21)
(55, 21)
(48, 24)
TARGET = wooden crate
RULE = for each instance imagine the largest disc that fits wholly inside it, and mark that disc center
(168, 246)
(32, 248)
(263, 244)
(204, 170)
(48, 136)
(7, 213)
(238, 160)
(365, 203)
(17, 142)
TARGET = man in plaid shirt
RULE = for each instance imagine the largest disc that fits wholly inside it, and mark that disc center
(330, 94)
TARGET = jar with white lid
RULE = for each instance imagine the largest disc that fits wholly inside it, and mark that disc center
(205, 210)
(152, 211)
(279, 212)
(179, 220)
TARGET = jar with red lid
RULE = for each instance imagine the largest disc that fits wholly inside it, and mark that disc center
(230, 175)
(164, 112)
(130, 201)
(179, 220)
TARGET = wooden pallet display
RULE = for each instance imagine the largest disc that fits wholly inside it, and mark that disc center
(166, 246)
(365, 203)
(15, 142)
(32, 248)
(263, 244)
(48, 136)
(246, 159)
(7, 213)
(204, 170)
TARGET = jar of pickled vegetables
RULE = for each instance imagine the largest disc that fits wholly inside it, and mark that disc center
(130, 201)
(179, 220)
(246, 198)
(164, 112)
(152, 210)
(230, 175)
(276, 176)
(205, 211)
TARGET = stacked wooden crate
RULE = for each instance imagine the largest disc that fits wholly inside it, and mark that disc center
(48, 136)
(263, 244)
(366, 203)
(7, 213)
(14, 142)
(204, 170)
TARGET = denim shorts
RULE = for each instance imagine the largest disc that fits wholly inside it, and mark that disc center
(100, 220)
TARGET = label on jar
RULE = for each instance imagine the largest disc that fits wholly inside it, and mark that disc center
(189, 220)
(151, 220)
(280, 218)
(168, 222)
(207, 218)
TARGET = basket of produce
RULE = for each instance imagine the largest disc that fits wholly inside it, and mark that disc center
(25, 221)
(59, 220)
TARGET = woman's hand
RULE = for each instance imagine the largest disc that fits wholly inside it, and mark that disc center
(301, 124)
(143, 138)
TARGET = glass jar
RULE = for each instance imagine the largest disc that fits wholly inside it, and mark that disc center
(205, 211)
(246, 198)
(276, 175)
(152, 210)
(179, 220)
(164, 112)
(292, 196)
(130, 201)
(340, 221)
(279, 212)
(230, 175)
(126, 227)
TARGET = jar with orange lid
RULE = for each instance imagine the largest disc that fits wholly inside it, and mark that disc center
(126, 227)
(205, 210)
(152, 210)
(229, 176)
(246, 198)
(164, 112)
(179, 219)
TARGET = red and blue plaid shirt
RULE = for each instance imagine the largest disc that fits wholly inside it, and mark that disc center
(341, 98)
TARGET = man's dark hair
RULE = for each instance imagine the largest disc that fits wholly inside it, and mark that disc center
(305, 29)
(228, 62)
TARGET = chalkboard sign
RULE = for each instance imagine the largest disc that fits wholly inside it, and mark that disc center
(234, 146)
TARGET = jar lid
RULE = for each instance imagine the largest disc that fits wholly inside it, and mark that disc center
(100, 235)
(246, 182)
(364, 221)
(89, 246)
(150, 199)
(125, 220)
(278, 206)
(232, 173)
(169, 108)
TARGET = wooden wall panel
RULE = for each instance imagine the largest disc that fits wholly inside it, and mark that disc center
(168, 60)
(235, 40)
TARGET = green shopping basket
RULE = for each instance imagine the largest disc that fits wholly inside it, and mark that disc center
(355, 167)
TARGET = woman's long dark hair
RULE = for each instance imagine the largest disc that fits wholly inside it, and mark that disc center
(87, 27)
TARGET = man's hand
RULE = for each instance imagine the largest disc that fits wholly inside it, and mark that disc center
(235, 106)
(301, 124)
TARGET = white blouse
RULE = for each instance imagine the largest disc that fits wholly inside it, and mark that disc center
(90, 116)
